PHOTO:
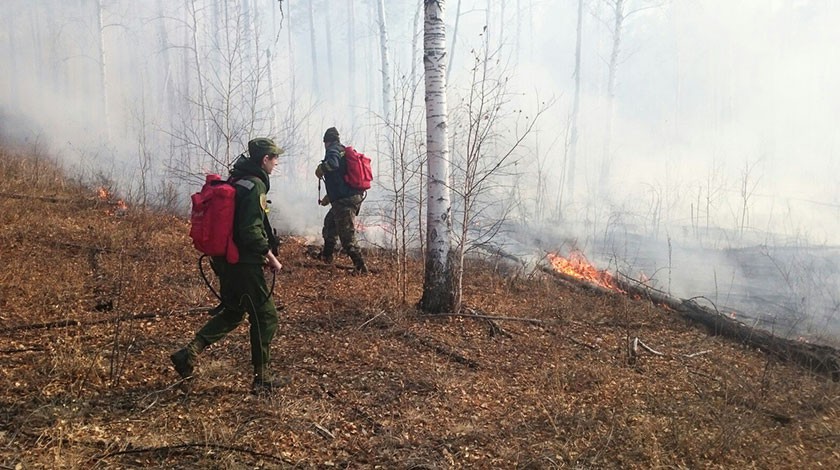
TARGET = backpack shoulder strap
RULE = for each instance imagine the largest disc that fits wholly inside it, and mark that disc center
(245, 183)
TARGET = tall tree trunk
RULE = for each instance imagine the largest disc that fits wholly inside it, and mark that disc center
(570, 169)
(202, 94)
(386, 83)
(275, 126)
(385, 64)
(103, 75)
(438, 288)
(314, 50)
(454, 39)
(330, 71)
(248, 31)
(167, 91)
(293, 81)
(14, 76)
(518, 32)
(606, 161)
(415, 34)
(351, 50)
(502, 21)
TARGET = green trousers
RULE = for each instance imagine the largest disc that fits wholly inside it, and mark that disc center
(243, 291)
(340, 224)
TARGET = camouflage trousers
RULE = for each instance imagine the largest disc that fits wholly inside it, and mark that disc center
(244, 292)
(340, 224)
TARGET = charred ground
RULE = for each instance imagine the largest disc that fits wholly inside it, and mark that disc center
(94, 298)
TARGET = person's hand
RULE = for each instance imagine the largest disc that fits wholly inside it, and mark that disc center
(325, 201)
(274, 265)
(319, 171)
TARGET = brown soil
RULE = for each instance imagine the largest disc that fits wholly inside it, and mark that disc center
(93, 299)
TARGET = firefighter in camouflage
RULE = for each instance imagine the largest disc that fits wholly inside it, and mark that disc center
(344, 201)
(243, 287)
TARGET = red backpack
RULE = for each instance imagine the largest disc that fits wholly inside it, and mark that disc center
(359, 174)
(211, 219)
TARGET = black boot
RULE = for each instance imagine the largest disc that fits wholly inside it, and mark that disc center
(358, 263)
(184, 363)
(184, 359)
(326, 255)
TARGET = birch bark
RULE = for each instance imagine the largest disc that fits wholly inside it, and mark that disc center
(438, 288)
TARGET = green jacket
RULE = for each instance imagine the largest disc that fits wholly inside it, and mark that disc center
(249, 234)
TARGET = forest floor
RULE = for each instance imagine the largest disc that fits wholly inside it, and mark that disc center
(95, 296)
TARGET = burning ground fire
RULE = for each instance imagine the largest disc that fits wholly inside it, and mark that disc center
(577, 266)
(120, 207)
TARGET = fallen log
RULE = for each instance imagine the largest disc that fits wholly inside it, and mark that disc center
(816, 358)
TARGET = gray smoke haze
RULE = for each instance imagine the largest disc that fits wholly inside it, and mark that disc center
(723, 132)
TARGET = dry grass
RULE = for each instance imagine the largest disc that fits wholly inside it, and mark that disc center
(376, 384)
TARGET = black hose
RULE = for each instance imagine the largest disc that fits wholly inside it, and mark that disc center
(218, 296)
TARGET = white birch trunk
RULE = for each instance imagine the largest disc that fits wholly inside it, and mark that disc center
(454, 39)
(103, 76)
(438, 288)
(415, 34)
(386, 65)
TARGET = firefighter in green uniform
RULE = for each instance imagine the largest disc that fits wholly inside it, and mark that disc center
(344, 201)
(243, 287)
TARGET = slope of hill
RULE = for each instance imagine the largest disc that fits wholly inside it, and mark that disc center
(95, 295)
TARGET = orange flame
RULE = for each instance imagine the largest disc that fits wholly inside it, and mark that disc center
(577, 266)
(119, 206)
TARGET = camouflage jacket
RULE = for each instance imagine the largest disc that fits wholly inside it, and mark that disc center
(334, 166)
(249, 221)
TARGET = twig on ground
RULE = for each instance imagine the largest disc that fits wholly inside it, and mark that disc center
(371, 319)
(324, 431)
(637, 341)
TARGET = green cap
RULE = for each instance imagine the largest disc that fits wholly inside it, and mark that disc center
(262, 146)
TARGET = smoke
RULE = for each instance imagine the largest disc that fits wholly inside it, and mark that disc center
(722, 132)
